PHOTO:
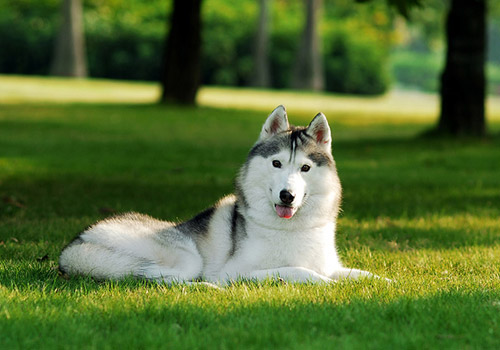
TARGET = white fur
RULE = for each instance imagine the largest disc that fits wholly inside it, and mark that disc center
(300, 249)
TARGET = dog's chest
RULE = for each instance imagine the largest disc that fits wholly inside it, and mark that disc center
(312, 249)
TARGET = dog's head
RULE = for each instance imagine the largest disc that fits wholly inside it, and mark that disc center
(290, 172)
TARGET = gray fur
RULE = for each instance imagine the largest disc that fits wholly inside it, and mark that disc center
(321, 158)
(269, 148)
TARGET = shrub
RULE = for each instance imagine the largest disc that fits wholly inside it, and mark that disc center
(417, 70)
(25, 44)
(284, 45)
(493, 73)
(354, 64)
(124, 40)
(124, 53)
(228, 43)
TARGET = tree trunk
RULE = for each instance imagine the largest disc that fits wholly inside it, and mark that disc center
(463, 79)
(182, 57)
(261, 53)
(308, 70)
(69, 50)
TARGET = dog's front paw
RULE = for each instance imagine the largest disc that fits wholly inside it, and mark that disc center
(320, 279)
(203, 284)
(303, 275)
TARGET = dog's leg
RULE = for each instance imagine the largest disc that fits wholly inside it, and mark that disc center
(170, 264)
(182, 266)
(345, 272)
(288, 274)
(202, 284)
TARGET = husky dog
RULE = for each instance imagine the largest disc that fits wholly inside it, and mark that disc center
(280, 223)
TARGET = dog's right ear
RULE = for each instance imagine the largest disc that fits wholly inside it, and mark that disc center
(275, 123)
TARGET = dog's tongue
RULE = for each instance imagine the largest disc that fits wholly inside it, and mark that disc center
(284, 212)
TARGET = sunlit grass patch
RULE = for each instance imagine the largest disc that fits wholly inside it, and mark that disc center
(398, 106)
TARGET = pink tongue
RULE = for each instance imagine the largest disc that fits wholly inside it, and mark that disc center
(284, 212)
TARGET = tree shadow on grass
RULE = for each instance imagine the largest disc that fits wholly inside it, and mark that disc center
(417, 178)
(400, 238)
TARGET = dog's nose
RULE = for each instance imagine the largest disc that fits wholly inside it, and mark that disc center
(286, 197)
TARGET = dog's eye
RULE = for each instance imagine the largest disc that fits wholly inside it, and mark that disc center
(305, 168)
(276, 164)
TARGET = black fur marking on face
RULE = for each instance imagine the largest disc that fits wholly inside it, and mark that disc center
(320, 158)
(295, 138)
(266, 149)
(298, 133)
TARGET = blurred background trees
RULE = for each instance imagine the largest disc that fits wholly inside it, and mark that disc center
(308, 71)
(366, 48)
(69, 58)
(463, 80)
(180, 69)
(125, 40)
(361, 48)
(261, 75)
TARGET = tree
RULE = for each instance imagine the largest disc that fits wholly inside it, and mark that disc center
(69, 50)
(308, 70)
(261, 76)
(463, 79)
(180, 78)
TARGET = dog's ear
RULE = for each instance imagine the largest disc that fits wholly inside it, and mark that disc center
(319, 130)
(275, 123)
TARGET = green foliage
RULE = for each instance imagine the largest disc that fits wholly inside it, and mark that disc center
(404, 7)
(228, 35)
(494, 39)
(26, 36)
(123, 52)
(422, 71)
(355, 64)
(417, 70)
(125, 40)
(493, 74)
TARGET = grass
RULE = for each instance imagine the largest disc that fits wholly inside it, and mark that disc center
(422, 212)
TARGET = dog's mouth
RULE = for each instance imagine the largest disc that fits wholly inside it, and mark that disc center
(285, 212)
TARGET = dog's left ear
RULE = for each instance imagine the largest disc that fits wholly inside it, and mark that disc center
(319, 130)
(276, 122)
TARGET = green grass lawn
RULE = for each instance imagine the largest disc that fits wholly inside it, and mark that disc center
(425, 213)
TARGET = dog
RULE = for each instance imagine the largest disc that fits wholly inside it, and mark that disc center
(279, 224)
